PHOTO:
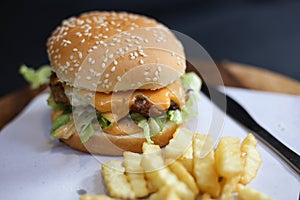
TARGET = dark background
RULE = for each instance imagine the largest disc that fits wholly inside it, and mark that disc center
(262, 33)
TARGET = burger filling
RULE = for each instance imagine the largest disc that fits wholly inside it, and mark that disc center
(149, 110)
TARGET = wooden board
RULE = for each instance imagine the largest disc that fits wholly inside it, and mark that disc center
(233, 74)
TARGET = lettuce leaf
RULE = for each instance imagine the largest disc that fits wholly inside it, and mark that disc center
(145, 126)
(86, 133)
(175, 116)
(58, 122)
(191, 81)
(36, 77)
(104, 122)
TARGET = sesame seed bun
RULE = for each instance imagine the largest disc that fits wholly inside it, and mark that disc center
(115, 51)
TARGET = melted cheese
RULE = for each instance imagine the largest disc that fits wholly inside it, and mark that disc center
(119, 103)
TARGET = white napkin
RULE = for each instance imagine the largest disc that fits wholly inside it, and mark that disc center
(34, 167)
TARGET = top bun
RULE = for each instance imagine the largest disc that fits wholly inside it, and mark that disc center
(115, 51)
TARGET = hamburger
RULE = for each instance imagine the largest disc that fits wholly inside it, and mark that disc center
(118, 80)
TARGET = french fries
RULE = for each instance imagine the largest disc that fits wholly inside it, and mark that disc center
(160, 176)
(228, 157)
(166, 193)
(185, 170)
(184, 176)
(116, 181)
(252, 159)
(204, 168)
(135, 174)
(229, 187)
(179, 144)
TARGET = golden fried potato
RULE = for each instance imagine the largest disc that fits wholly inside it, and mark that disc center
(152, 159)
(184, 176)
(160, 175)
(187, 163)
(204, 168)
(179, 144)
(250, 194)
(206, 196)
(95, 197)
(230, 185)
(165, 193)
(135, 174)
(164, 177)
(228, 157)
(252, 159)
(115, 180)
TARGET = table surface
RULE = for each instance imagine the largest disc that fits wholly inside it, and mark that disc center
(233, 74)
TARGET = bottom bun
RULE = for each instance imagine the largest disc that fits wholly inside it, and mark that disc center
(106, 144)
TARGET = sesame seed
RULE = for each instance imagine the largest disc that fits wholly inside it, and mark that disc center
(95, 47)
(106, 75)
(136, 54)
(132, 84)
(115, 62)
(93, 62)
(105, 59)
(141, 62)
(154, 79)
(88, 78)
(106, 81)
(132, 57)
(80, 55)
(112, 44)
(146, 73)
(148, 79)
(90, 50)
(113, 69)
(103, 65)
(111, 56)
(128, 40)
(119, 78)
(98, 74)
(104, 36)
(156, 73)
(67, 64)
(136, 42)
(159, 68)
(173, 53)
(75, 49)
(83, 40)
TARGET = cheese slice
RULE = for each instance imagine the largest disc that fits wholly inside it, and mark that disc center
(119, 103)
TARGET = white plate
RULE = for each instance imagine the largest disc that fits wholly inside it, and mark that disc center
(34, 167)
